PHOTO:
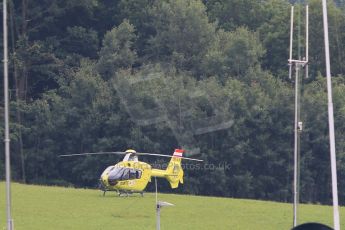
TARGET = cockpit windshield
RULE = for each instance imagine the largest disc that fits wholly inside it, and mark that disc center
(107, 170)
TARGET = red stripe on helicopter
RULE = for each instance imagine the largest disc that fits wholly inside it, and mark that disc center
(178, 152)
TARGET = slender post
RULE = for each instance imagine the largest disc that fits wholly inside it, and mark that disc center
(158, 209)
(158, 224)
(298, 63)
(296, 182)
(307, 40)
(7, 136)
(156, 190)
(331, 122)
(291, 38)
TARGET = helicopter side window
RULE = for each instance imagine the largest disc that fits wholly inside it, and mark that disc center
(138, 174)
(125, 174)
(132, 174)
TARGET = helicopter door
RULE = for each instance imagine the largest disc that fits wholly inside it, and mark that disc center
(134, 174)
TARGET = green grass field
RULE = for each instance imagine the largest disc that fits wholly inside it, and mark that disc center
(40, 207)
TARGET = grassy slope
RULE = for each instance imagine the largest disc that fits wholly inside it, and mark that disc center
(39, 207)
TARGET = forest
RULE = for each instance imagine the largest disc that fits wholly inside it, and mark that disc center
(208, 76)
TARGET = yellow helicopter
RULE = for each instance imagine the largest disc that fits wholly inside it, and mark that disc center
(132, 176)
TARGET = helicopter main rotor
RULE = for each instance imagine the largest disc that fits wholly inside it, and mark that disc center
(131, 153)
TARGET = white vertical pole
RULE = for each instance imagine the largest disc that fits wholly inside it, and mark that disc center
(158, 213)
(331, 122)
(295, 187)
(307, 40)
(156, 190)
(291, 38)
(7, 136)
(158, 209)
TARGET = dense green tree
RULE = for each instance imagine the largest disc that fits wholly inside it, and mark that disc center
(36, 31)
(274, 33)
(72, 120)
(182, 33)
(231, 14)
(139, 14)
(233, 53)
(316, 171)
(79, 40)
(336, 25)
(117, 50)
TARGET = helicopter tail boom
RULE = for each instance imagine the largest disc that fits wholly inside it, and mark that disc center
(174, 172)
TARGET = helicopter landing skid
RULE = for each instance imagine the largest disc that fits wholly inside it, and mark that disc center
(123, 193)
(128, 193)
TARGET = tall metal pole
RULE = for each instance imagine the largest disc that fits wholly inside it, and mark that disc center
(158, 213)
(291, 62)
(7, 136)
(336, 220)
(296, 145)
(158, 209)
(307, 40)
(299, 64)
(291, 38)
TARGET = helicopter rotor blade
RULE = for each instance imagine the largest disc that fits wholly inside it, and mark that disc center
(124, 153)
(97, 153)
(170, 156)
